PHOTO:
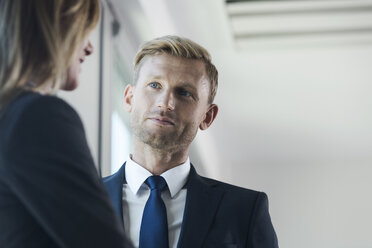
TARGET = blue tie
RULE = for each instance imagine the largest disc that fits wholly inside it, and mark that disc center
(154, 226)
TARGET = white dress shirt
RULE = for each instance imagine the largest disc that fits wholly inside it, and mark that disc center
(136, 193)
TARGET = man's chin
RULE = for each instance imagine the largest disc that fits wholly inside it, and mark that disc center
(157, 141)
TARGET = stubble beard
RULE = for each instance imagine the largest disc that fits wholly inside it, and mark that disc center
(170, 142)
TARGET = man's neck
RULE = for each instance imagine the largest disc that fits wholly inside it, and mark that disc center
(158, 161)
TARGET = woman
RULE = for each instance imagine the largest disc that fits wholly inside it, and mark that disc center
(50, 193)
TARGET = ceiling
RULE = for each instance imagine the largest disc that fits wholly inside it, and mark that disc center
(252, 24)
(288, 22)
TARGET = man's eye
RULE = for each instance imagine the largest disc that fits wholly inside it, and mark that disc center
(185, 93)
(154, 85)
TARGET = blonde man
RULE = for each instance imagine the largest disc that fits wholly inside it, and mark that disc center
(50, 193)
(171, 98)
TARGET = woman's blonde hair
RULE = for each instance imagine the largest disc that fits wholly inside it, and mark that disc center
(38, 39)
(179, 47)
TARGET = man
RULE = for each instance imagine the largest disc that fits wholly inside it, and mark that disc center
(171, 98)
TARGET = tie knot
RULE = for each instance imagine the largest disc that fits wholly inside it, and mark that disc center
(156, 182)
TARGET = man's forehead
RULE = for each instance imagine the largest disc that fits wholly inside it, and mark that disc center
(160, 64)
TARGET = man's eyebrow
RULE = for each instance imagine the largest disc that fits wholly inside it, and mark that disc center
(151, 77)
(186, 85)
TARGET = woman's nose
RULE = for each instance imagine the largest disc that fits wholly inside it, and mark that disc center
(88, 49)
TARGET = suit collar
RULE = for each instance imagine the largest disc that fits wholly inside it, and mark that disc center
(114, 185)
(202, 201)
(175, 177)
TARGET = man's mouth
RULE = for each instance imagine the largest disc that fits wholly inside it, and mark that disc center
(162, 120)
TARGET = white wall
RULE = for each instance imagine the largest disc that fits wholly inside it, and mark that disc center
(297, 125)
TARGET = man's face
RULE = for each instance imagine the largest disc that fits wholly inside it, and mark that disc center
(169, 101)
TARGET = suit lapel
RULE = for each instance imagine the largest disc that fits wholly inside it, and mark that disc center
(202, 202)
(114, 185)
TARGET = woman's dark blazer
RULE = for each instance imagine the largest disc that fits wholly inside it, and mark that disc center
(50, 193)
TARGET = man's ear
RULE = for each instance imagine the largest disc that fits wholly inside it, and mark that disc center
(209, 117)
(128, 98)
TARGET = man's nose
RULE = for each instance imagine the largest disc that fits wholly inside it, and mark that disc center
(166, 101)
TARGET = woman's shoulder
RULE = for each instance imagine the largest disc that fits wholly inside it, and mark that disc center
(35, 106)
(32, 100)
(33, 111)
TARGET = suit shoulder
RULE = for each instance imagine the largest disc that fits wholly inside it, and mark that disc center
(230, 187)
(238, 199)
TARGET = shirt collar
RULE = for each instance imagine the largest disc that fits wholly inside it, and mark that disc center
(176, 177)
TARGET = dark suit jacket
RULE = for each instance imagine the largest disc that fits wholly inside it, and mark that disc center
(216, 214)
(50, 193)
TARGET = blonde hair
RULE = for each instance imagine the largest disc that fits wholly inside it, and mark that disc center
(38, 39)
(179, 47)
